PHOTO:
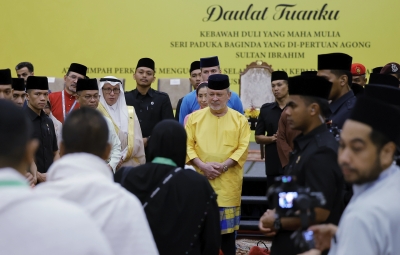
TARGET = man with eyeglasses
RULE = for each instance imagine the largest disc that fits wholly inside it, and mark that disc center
(124, 119)
(63, 102)
(87, 95)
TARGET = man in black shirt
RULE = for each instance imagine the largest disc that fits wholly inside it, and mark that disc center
(43, 127)
(335, 67)
(267, 125)
(151, 106)
(313, 160)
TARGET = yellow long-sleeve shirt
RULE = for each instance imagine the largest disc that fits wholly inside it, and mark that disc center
(215, 139)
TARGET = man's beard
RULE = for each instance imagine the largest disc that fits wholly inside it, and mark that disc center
(372, 175)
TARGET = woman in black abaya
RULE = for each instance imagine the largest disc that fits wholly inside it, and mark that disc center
(183, 212)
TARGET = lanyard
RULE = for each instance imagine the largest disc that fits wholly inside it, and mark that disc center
(165, 161)
(11, 183)
(63, 105)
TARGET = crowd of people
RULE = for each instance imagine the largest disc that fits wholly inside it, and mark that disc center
(94, 169)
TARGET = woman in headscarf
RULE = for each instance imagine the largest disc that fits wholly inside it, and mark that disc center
(126, 124)
(180, 205)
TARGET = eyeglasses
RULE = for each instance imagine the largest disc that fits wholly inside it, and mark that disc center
(108, 91)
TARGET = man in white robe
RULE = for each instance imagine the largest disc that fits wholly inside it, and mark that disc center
(32, 224)
(81, 176)
(126, 124)
(370, 223)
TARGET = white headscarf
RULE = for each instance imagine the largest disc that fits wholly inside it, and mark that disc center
(118, 111)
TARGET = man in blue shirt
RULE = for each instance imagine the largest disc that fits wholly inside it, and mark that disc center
(189, 104)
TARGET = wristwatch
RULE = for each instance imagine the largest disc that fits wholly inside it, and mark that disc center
(277, 224)
(225, 168)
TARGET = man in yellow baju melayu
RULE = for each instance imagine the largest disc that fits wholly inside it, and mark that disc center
(218, 141)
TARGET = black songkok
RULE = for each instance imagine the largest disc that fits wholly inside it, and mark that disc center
(309, 73)
(218, 81)
(387, 94)
(209, 62)
(279, 75)
(313, 86)
(380, 116)
(37, 82)
(194, 66)
(18, 84)
(78, 68)
(383, 79)
(5, 77)
(146, 62)
(377, 69)
(334, 61)
(87, 84)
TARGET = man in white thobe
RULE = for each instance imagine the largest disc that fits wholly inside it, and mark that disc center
(32, 224)
(124, 119)
(370, 223)
(81, 176)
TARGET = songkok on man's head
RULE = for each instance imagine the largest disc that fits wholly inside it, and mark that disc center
(18, 84)
(218, 81)
(37, 82)
(383, 79)
(313, 86)
(279, 75)
(384, 93)
(78, 68)
(309, 73)
(146, 62)
(380, 116)
(334, 61)
(87, 84)
(209, 62)
(357, 69)
(390, 68)
(195, 65)
(377, 69)
(5, 77)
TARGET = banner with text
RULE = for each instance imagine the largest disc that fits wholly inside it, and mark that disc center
(110, 36)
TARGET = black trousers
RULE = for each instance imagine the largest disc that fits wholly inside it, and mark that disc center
(228, 244)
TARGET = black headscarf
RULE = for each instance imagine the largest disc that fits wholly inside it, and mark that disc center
(168, 141)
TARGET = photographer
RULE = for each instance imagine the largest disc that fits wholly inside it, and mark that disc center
(370, 223)
(313, 160)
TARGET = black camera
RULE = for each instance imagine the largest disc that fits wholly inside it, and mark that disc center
(291, 200)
